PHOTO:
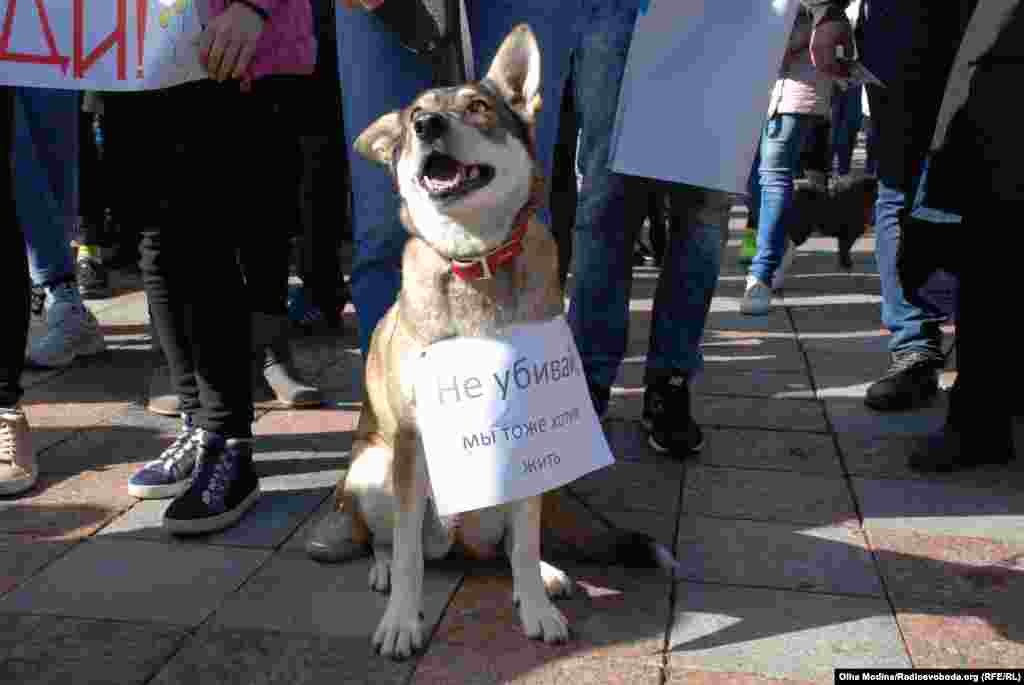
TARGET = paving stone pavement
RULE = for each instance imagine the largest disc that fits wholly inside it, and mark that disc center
(805, 544)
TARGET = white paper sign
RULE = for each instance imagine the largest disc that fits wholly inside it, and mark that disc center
(508, 418)
(99, 44)
(697, 85)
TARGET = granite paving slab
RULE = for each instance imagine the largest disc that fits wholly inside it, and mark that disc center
(273, 518)
(767, 496)
(753, 353)
(778, 450)
(832, 559)
(853, 416)
(296, 595)
(886, 457)
(22, 556)
(638, 486)
(136, 580)
(937, 508)
(680, 676)
(251, 656)
(951, 571)
(71, 650)
(978, 638)
(618, 621)
(105, 445)
(764, 382)
(62, 506)
(780, 633)
(747, 412)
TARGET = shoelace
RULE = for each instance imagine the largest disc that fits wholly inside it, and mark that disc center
(187, 440)
(8, 447)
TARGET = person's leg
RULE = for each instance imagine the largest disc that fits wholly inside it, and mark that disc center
(984, 399)
(609, 204)
(90, 272)
(681, 305)
(13, 267)
(563, 182)
(45, 184)
(378, 76)
(915, 341)
(266, 259)
(18, 469)
(781, 146)
(553, 25)
(914, 70)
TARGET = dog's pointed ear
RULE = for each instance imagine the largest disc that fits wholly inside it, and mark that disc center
(378, 142)
(516, 71)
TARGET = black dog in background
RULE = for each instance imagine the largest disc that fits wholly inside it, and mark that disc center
(842, 211)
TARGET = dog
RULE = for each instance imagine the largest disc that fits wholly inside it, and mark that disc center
(476, 262)
(841, 211)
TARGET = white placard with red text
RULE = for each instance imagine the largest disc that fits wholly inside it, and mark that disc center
(507, 418)
(99, 44)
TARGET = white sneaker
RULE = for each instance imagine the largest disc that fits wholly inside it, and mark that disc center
(757, 298)
(787, 261)
(18, 470)
(72, 331)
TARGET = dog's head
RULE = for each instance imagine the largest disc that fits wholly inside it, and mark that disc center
(462, 157)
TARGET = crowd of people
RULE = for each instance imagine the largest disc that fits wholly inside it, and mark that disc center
(289, 94)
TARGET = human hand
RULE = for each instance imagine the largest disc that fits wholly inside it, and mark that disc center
(368, 5)
(227, 44)
(827, 36)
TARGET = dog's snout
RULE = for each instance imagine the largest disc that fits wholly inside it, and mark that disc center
(429, 126)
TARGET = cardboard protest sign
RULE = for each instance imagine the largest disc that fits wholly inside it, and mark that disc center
(508, 418)
(696, 89)
(100, 45)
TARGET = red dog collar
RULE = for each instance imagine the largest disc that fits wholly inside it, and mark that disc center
(484, 267)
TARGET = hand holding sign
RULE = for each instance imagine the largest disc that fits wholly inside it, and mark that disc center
(227, 45)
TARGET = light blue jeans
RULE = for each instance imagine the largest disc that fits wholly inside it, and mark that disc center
(608, 216)
(46, 178)
(379, 76)
(781, 144)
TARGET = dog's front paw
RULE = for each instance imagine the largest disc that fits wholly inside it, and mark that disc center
(399, 634)
(543, 621)
(556, 582)
(380, 575)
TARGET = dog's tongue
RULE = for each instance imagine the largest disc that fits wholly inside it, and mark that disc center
(442, 168)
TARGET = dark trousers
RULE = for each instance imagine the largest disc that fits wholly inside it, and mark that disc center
(221, 189)
(986, 392)
(14, 281)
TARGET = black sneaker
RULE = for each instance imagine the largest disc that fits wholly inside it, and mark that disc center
(91, 275)
(667, 417)
(911, 379)
(224, 487)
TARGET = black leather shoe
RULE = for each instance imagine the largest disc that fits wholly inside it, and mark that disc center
(947, 450)
(911, 379)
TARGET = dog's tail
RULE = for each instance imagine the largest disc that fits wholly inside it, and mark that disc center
(573, 531)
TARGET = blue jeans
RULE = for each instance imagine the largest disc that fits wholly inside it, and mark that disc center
(847, 117)
(781, 144)
(46, 178)
(608, 214)
(379, 76)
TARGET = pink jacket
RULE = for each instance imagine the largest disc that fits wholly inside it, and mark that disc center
(287, 45)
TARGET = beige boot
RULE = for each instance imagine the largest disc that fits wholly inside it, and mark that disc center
(162, 399)
(274, 366)
(18, 469)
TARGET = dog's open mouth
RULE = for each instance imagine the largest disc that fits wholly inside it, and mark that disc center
(444, 177)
